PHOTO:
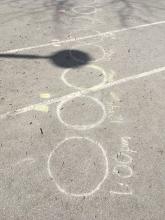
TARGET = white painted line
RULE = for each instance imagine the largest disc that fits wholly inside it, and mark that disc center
(82, 92)
(108, 33)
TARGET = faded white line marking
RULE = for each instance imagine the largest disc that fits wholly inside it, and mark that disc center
(82, 92)
(108, 33)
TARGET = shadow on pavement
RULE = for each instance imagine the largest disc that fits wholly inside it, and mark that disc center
(62, 58)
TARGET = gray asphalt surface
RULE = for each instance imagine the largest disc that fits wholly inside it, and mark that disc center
(82, 110)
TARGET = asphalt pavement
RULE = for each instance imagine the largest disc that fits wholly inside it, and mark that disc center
(82, 110)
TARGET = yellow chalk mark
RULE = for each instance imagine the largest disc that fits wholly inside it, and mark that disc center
(45, 96)
(41, 108)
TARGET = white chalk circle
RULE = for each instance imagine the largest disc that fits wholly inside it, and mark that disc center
(67, 165)
(96, 50)
(84, 113)
(84, 10)
(93, 72)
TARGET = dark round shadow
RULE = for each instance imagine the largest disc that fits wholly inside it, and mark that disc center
(70, 58)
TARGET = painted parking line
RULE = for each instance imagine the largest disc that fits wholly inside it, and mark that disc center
(104, 34)
(83, 92)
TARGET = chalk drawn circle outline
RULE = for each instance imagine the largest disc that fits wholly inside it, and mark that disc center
(74, 9)
(104, 80)
(82, 127)
(94, 45)
(97, 188)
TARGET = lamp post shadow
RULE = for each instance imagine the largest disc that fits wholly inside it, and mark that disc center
(62, 58)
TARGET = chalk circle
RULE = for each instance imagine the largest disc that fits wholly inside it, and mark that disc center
(82, 114)
(91, 49)
(84, 10)
(65, 172)
(93, 75)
